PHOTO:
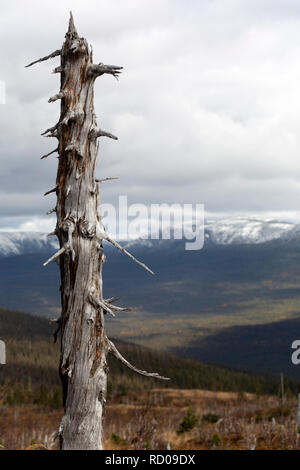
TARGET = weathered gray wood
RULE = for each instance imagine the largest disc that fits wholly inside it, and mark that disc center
(50, 56)
(109, 178)
(101, 133)
(118, 355)
(50, 153)
(2, 352)
(79, 228)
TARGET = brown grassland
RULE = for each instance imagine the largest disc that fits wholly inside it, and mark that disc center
(169, 419)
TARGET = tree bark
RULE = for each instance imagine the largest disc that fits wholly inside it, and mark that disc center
(84, 348)
(84, 344)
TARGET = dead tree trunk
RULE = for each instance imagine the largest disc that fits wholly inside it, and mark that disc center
(80, 231)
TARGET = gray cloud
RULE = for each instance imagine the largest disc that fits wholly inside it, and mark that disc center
(206, 110)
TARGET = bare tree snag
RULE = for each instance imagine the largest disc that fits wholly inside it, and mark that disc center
(84, 344)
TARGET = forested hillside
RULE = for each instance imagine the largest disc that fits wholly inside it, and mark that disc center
(236, 305)
(30, 375)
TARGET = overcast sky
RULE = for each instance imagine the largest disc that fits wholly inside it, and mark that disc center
(207, 109)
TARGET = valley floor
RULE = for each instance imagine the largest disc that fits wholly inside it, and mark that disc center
(169, 419)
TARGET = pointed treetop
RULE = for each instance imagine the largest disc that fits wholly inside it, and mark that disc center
(72, 29)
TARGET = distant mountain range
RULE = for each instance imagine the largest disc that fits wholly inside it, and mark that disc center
(21, 243)
(243, 230)
(241, 291)
(239, 230)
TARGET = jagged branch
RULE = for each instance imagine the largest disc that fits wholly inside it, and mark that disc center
(111, 299)
(56, 255)
(50, 153)
(107, 306)
(118, 355)
(101, 133)
(109, 178)
(119, 309)
(50, 56)
(100, 304)
(113, 242)
(97, 70)
(51, 191)
(51, 129)
(53, 134)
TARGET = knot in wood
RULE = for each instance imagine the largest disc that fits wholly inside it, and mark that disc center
(87, 230)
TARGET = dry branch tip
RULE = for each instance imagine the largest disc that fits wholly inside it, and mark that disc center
(101, 304)
(51, 191)
(56, 255)
(118, 355)
(50, 153)
(109, 178)
(113, 242)
(50, 56)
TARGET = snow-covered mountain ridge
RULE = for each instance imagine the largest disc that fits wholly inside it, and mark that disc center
(239, 230)
(242, 230)
(18, 243)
